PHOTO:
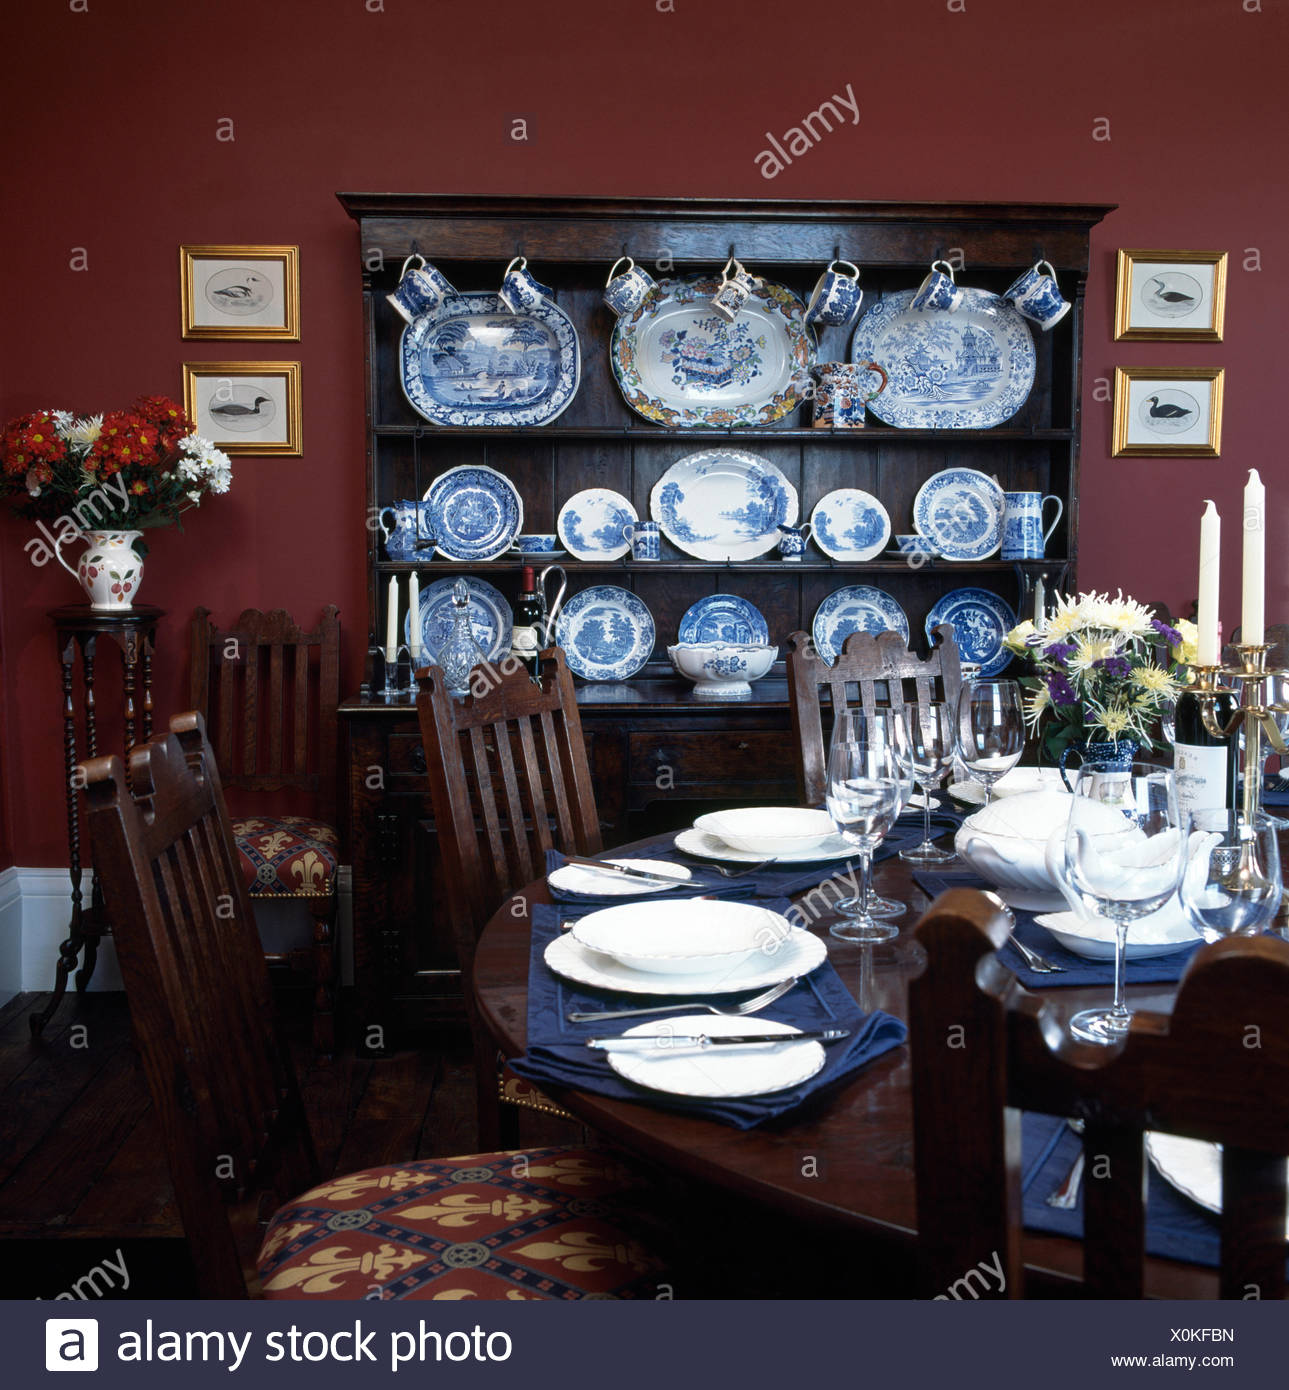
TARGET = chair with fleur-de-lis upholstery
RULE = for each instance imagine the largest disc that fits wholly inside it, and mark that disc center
(545, 1224)
(269, 691)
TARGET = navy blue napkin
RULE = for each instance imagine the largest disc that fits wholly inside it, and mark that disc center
(557, 1055)
(1076, 969)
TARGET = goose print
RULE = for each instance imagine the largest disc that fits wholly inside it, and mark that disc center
(239, 290)
(1172, 295)
(1169, 412)
(241, 409)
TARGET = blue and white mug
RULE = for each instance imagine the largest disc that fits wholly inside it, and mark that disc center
(792, 541)
(406, 528)
(1023, 535)
(420, 290)
(645, 538)
(626, 292)
(1036, 295)
(520, 291)
(836, 297)
(938, 290)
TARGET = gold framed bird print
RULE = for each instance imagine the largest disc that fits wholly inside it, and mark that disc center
(1170, 296)
(240, 292)
(246, 407)
(1160, 411)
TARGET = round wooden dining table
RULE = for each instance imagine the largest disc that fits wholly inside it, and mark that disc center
(844, 1162)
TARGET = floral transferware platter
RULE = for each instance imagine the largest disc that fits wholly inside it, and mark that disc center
(960, 511)
(473, 513)
(679, 363)
(491, 618)
(723, 618)
(851, 525)
(967, 370)
(607, 633)
(723, 504)
(855, 608)
(591, 524)
(980, 620)
(470, 361)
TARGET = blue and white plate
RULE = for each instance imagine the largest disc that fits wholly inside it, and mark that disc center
(679, 363)
(470, 361)
(856, 608)
(491, 618)
(591, 523)
(850, 525)
(473, 513)
(960, 511)
(980, 621)
(968, 370)
(723, 504)
(607, 633)
(723, 618)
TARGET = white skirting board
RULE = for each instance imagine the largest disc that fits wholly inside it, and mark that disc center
(35, 908)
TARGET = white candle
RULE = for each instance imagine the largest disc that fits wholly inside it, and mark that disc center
(1210, 563)
(1255, 555)
(414, 610)
(1040, 604)
(391, 621)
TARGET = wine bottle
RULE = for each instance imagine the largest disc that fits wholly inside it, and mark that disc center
(525, 639)
(1204, 765)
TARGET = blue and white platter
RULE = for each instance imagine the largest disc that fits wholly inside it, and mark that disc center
(980, 621)
(856, 608)
(967, 370)
(723, 504)
(591, 523)
(679, 363)
(470, 361)
(607, 633)
(961, 511)
(849, 524)
(474, 513)
(491, 618)
(723, 618)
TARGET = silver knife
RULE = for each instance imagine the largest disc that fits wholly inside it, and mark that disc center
(666, 1042)
(604, 866)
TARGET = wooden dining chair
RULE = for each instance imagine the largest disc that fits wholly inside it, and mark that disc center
(548, 1223)
(509, 779)
(879, 671)
(269, 691)
(983, 1050)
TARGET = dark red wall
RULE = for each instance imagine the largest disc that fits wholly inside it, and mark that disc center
(117, 110)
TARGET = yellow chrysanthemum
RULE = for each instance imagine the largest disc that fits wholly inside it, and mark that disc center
(1089, 650)
(1116, 722)
(1037, 702)
(1155, 681)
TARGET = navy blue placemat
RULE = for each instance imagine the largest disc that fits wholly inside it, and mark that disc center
(1075, 969)
(557, 1056)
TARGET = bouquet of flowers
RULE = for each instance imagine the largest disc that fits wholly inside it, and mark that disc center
(1103, 669)
(125, 470)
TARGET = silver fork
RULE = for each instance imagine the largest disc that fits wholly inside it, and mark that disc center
(1040, 965)
(1065, 1196)
(748, 1006)
(742, 873)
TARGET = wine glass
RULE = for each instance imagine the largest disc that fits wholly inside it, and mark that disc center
(863, 801)
(1231, 885)
(989, 730)
(884, 729)
(1124, 852)
(929, 732)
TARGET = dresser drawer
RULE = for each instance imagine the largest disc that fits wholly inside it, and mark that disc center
(694, 758)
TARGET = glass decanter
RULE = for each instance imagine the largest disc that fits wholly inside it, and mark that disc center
(460, 652)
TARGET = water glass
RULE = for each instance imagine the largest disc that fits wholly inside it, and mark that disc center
(1232, 884)
(990, 730)
(863, 804)
(930, 733)
(885, 728)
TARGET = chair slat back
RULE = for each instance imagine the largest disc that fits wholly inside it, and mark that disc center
(222, 1083)
(1216, 1069)
(509, 779)
(872, 671)
(275, 690)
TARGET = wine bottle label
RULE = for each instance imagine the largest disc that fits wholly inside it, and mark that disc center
(1200, 774)
(524, 643)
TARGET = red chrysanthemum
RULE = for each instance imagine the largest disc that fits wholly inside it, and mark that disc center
(30, 440)
(167, 416)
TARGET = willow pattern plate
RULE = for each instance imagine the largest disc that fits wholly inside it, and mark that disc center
(980, 620)
(961, 511)
(490, 618)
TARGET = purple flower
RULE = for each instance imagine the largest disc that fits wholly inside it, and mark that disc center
(1061, 691)
(1169, 634)
(1114, 666)
(1060, 651)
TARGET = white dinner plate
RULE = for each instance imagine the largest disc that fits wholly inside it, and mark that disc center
(573, 878)
(705, 845)
(1019, 779)
(799, 954)
(718, 1073)
(689, 936)
(1192, 1166)
(1094, 938)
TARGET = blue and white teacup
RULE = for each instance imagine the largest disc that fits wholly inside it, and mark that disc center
(735, 290)
(916, 545)
(626, 292)
(1023, 535)
(645, 538)
(836, 297)
(520, 291)
(792, 541)
(938, 290)
(537, 543)
(420, 289)
(406, 528)
(1036, 295)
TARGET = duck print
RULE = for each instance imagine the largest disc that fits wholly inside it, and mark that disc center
(1166, 411)
(233, 411)
(1170, 296)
